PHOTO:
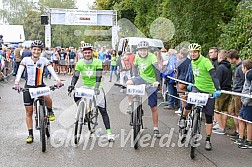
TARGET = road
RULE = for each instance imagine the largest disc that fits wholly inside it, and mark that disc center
(95, 151)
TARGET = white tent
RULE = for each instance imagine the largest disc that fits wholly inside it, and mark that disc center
(12, 33)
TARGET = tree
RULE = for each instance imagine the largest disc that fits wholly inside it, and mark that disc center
(237, 33)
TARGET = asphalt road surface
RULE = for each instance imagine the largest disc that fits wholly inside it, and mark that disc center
(95, 150)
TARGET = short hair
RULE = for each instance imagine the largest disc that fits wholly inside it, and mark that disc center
(214, 48)
(247, 63)
(184, 52)
(119, 52)
(223, 54)
(233, 54)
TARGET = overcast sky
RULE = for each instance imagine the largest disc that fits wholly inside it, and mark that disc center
(81, 4)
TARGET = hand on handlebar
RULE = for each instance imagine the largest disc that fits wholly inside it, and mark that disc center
(17, 88)
(70, 88)
(155, 84)
(189, 87)
(96, 91)
(216, 94)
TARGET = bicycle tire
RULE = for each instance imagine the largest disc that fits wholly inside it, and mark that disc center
(194, 132)
(136, 124)
(92, 117)
(42, 127)
(48, 128)
(79, 122)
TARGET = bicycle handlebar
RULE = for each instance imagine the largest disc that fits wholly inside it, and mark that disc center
(53, 88)
(125, 86)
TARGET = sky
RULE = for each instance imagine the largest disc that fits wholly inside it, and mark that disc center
(83, 4)
(80, 4)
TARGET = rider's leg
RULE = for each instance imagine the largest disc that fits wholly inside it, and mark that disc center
(29, 112)
(48, 101)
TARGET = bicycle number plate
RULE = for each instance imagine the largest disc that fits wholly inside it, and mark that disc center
(198, 99)
(37, 92)
(136, 89)
(84, 92)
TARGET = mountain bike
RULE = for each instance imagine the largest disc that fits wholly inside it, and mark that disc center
(87, 112)
(136, 120)
(192, 130)
(42, 122)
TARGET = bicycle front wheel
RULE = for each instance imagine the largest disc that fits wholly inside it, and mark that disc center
(42, 127)
(79, 122)
(195, 132)
(136, 124)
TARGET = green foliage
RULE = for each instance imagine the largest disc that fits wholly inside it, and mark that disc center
(237, 34)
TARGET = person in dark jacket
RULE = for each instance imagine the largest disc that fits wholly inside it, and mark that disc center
(213, 56)
(246, 110)
(181, 69)
(238, 81)
(224, 75)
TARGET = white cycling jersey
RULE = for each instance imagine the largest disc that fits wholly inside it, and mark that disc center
(34, 70)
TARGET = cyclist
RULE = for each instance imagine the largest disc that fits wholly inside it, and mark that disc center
(35, 66)
(90, 69)
(205, 81)
(146, 66)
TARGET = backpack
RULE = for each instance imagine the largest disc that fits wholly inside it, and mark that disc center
(126, 65)
(189, 74)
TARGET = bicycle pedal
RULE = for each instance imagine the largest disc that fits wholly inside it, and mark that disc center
(131, 124)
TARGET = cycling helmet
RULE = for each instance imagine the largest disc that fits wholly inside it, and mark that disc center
(143, 45)
(37, 43)
(87, 46)
(194, 46)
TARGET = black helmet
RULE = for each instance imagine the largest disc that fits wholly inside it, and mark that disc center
(143, 45)
(37, 43)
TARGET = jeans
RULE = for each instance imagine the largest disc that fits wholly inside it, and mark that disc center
(172, 90)
(113, 68)
(47, 73)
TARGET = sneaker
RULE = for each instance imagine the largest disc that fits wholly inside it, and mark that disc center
(234, 138)
(245, 145)
(29, 139)
(239, 141)
(169, 107)
(156, 133)
(219, 131)
(122, 91)
(216, 126)
(129, 109)
(232, 134)
(110, 137)
(182, 123)
(51, 116)
(208, 146)
(178, 111)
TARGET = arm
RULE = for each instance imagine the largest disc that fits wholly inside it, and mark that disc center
(215, 80)
(19, 73)
(219, 74)
(157, 72)
(75, 78)
(98, 77)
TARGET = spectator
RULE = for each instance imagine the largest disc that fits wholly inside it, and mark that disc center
(48, 55)
(238, 81)
(224, 75)
(18, 57)
(213, 56)
(181, 69)
(113, 67)
(170, 71)
(246, 110)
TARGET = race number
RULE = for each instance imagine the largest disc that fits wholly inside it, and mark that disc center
(136, 89)
(84, 92)
(40, 91)
(198, 99)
